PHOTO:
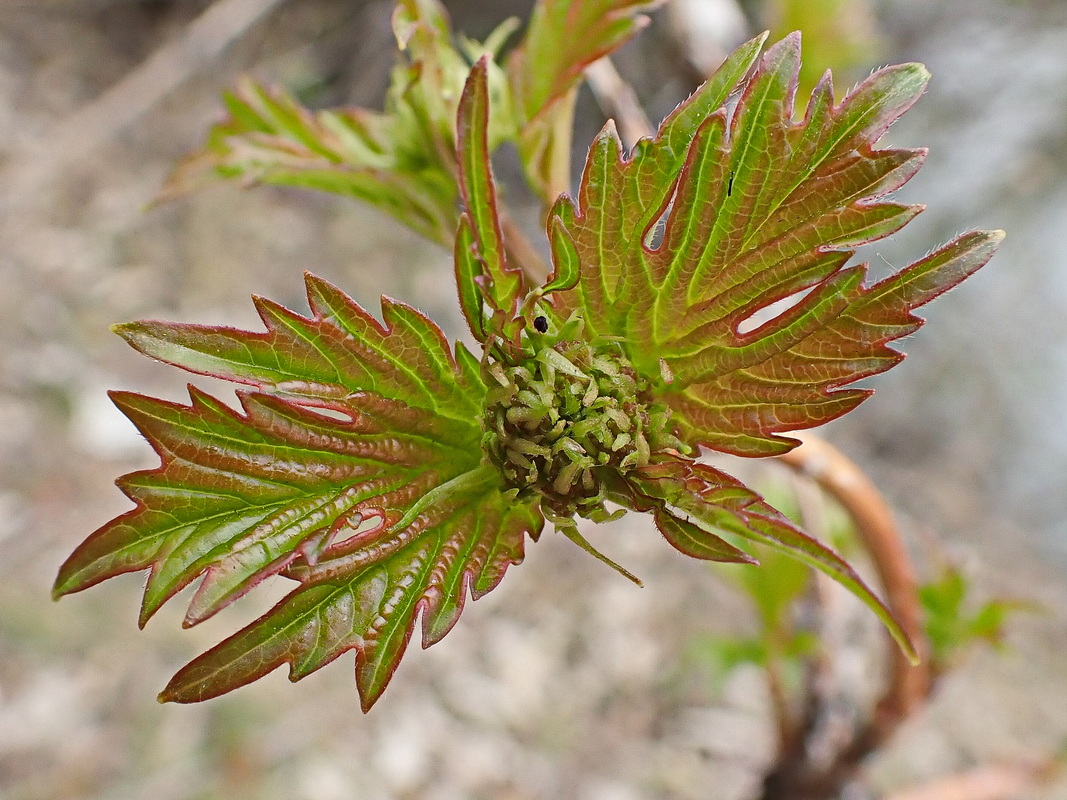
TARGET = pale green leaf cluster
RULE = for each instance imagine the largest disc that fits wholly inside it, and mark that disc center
(404, 159)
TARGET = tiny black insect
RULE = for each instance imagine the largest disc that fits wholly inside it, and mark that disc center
(541, 323)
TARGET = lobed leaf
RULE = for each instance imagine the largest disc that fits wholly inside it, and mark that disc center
(707, 270)
(461, 536)
(402, 160)
(237, 496)
(718, 504)
(354, 467)
(687, 244)
(327, 359)
(548, 65)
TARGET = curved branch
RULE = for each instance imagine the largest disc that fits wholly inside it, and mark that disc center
(795, 776)
(843, 480)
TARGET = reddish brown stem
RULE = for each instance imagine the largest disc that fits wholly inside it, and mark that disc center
(909, 685)
(843, 480)
(789, 730)
(618, 100)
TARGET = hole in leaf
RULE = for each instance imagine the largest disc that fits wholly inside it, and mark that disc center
(771, 312)
(655, 231)
(329, 412)
(354, 529)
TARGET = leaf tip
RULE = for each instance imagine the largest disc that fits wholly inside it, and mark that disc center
(907, 646)
(181, 690)
(59, 590)
(917, 71)
(366, 702)
(127, 330)
(979, 246)
(171, 692)
(787, 45)
(70, 578)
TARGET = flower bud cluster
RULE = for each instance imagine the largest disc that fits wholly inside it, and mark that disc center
(565, 420)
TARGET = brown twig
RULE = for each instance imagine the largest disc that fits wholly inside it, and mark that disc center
(521, 251)
(909, 685)
(789, 730)
(203, 40)
(618, 100)
(843, 480)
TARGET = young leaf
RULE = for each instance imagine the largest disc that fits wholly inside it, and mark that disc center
(327, 360)
(378, 504)
(435, 79)
(757, 208)
(402, 161)
(546, 70)
(953, 621)
(462, 535)
(549, 64)
(375, 466)
(378, 158)
(720, 504)
(482, 269)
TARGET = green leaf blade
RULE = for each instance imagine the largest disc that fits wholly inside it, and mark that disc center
(546, 70)
(693, 541)
(484, 261)
(326, 358)
(547, 66)
(353, 467)
(620, 198)
(746, 314)
(269, 138)
(371, 606)
(722, 504)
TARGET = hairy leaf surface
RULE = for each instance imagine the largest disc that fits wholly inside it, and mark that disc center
(353, 467)
(687, 244)
(483, 274)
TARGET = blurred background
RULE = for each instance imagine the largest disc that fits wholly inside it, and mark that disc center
(567, 682)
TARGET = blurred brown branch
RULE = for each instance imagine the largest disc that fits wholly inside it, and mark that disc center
(103, 118)
(795, 776)
(618, 100)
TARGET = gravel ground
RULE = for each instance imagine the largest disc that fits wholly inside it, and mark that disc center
(567, 682)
